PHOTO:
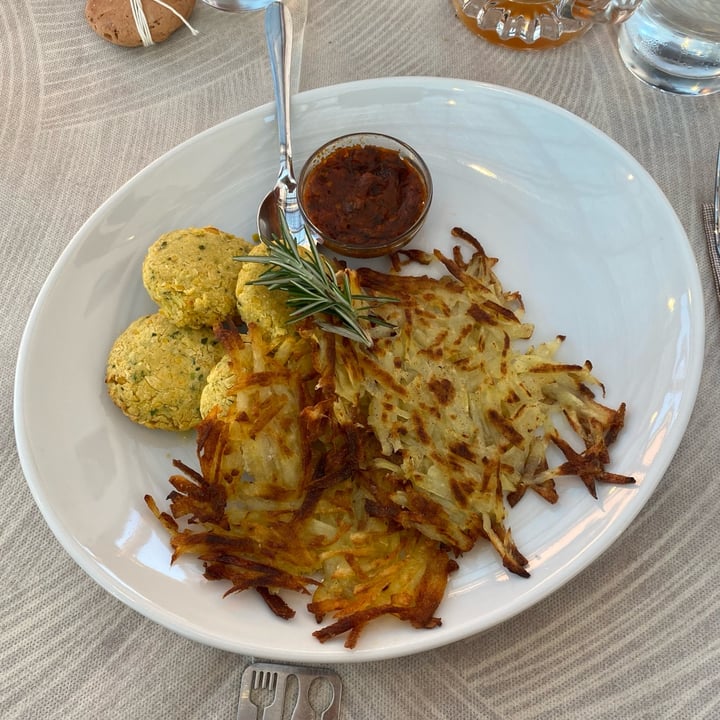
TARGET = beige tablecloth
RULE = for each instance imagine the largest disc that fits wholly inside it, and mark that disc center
(636, 635)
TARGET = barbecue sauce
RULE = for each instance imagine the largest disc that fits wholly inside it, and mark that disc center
(364, 195)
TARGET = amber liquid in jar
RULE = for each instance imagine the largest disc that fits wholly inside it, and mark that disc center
(518, 24)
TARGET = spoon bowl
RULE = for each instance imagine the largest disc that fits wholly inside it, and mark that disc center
(281, 200)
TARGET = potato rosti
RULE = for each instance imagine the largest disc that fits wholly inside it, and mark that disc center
(156, 372)
(191, 275)
(358, 474)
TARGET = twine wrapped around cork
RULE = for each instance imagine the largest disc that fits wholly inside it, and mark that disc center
(134, 23)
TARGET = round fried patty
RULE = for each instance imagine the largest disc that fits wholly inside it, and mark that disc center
(191, 275)
(156, 372)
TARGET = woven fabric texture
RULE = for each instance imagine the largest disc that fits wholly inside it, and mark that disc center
(635, 635)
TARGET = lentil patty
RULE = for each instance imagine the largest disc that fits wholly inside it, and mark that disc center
(191, 275)
(156, 372)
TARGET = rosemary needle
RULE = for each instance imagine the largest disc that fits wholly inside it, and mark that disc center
(314, 288)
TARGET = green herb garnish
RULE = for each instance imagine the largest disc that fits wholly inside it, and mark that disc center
(314, 287)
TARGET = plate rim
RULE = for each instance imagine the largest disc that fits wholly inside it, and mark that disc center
(425, 641)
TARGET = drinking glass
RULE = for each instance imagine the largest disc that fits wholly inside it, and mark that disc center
(538, 24)
(674, 45)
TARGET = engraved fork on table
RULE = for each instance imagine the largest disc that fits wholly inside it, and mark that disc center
(264, 693)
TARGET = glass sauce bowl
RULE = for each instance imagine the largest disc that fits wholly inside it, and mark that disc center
(365, 194)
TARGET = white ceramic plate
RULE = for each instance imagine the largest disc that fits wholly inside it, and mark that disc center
(580, 229)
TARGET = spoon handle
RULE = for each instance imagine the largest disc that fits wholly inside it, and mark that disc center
(278, 32)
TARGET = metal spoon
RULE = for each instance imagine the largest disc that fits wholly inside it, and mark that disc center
(283, 197)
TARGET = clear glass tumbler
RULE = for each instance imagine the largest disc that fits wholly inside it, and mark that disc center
(539, 24)
(674, 45)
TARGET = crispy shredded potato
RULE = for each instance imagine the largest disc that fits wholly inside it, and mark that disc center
(357, 475)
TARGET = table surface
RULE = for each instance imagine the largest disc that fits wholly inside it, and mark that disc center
(80, 117)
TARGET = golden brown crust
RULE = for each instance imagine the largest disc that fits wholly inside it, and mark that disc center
(368, 470)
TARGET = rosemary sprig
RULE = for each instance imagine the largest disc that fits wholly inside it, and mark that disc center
(314, 288)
